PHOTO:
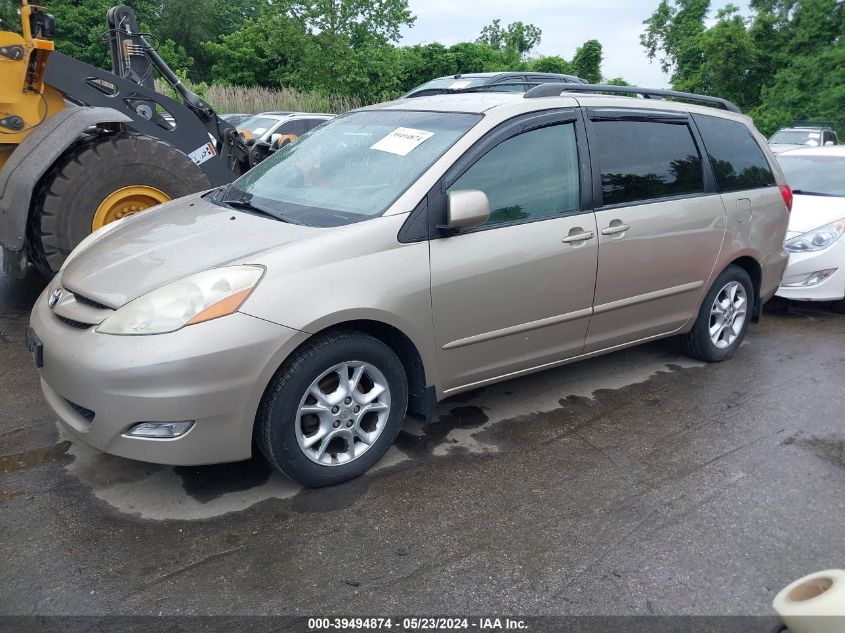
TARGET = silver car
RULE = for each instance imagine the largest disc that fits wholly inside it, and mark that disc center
(401, 254)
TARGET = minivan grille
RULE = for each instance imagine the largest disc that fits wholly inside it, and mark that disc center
(75, 324)
(90, 302)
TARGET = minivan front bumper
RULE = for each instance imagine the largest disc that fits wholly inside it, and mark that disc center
(212, 373)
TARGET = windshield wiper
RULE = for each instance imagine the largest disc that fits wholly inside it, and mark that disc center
(803, 192)
(246, 205)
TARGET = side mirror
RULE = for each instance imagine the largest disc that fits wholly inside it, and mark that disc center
(465, 209)
(828, 143)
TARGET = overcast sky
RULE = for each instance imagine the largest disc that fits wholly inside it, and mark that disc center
(566, 24)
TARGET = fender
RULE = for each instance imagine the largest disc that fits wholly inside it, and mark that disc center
(30, 161)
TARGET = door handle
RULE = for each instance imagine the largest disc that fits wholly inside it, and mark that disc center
(613, 229)
(578, 237)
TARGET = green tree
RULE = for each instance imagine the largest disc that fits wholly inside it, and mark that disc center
(673, 37)
(729, 58)
(265, 51)
(350, 46)
(587, 61)
(551, 64)
(518, 38)
(189, 23)
(784, 62)
(81, 27)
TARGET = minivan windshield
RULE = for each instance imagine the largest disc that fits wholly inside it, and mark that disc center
(814, 175)
(349, 169)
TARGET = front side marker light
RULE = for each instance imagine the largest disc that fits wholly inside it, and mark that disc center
(160, 430)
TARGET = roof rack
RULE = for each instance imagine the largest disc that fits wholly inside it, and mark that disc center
(557, 89)
(497, 87)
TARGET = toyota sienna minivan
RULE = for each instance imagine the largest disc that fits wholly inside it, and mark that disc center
(401, 254)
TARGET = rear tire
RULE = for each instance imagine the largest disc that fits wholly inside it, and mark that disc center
(341, 432)
(723, 318)
(86, 174)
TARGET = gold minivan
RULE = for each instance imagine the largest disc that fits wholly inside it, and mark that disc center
(403, 253)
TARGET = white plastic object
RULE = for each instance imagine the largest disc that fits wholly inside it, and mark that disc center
(814, 603)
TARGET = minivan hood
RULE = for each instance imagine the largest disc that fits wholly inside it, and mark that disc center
(165, 244)
(811, 212)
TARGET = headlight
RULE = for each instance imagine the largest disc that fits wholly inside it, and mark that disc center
(817, 239)
(200, 297)
(90, 239)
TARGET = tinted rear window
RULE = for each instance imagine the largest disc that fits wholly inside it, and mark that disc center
(645, 160)
(737, 160)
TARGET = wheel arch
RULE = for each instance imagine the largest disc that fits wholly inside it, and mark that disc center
(749, 262)
(31, 160)
(755, 271)
(421, 395)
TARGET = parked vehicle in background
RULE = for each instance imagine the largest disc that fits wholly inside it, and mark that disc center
(795, 137)
(235, 118)
(262, 127)
(404, 253)
(493, 82)
(816, 270)
(269, 131)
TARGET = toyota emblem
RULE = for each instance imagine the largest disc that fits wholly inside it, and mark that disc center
(54, 298)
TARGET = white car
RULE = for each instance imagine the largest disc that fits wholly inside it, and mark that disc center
(816, 269)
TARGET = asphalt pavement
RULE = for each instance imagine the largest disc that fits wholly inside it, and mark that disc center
(640, 482)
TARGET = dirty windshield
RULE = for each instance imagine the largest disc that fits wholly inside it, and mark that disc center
(350, 169)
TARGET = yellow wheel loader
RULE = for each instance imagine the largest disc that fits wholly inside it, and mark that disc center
(81, 147)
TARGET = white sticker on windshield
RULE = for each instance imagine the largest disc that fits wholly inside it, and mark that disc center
(402, 141)
(459, 85)
(814, 135)
(259, 131)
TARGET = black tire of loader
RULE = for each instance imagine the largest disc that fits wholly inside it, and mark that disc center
(68, 195)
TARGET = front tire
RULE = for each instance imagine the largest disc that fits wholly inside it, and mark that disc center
(100, 180)
(723, 318)
(333, 409)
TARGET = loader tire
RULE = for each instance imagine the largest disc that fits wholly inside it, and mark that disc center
(104, 177)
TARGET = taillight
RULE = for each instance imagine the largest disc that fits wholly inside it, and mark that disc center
(786, 193)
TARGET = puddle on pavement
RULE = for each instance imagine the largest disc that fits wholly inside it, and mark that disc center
(34, 457)
(461, 427)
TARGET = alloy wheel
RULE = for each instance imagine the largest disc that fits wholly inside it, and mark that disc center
(728, 314)
(343, 412)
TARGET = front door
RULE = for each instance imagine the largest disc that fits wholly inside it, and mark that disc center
(516, 292)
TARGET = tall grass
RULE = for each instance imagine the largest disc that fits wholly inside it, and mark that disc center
(255, 99)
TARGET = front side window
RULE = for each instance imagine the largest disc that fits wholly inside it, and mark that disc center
(646, 160)
(350, 169)
(738, 161)
(530, 176)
